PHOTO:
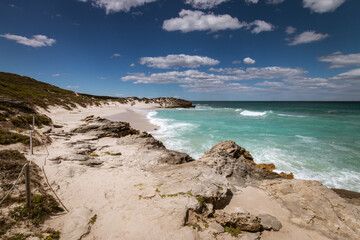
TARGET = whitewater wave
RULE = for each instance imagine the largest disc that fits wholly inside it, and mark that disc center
(288, 115)
(247, 113)
(307, 139)
(170, 131)
(203, 107)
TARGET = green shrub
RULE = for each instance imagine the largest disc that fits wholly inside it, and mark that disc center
(41, 206)
(7, 138)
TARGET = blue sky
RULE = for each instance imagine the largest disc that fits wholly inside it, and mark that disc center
(193, 49)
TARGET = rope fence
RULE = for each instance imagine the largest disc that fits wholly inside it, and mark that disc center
(28, 164)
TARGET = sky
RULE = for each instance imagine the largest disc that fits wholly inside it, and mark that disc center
(246, 50)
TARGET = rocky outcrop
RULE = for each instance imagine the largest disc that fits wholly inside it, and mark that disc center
(234, 162)
(314, 206)
(100, 127)
(168, 102)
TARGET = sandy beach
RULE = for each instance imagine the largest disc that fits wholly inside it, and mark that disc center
(136, 118)
(140, 190)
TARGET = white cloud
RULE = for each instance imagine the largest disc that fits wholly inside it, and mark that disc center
(270, 84)
(115, 55)
(322, 6)
(249, 61)
(102, 78)
(339, 60)
(56, 75)
(204, 4)
(236, 62)
(260, 26)
(132, 65)
(222, 75)
(35, 41)
(274, 1)
(350, 75)
(189, 20)
(252, 1)
(180, 60)
(235, 80)
(111, 6)
(290, 30)
(307, 37)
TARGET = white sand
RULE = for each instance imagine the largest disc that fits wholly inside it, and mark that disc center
(113, 111)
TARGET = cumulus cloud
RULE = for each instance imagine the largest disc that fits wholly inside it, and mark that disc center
(221, 75)
(180, 60)
(350, 75)
(339, 60)
(274, 1)
(235, 80)
(111, 6)
(204, 4)
(260, 26)
(307, 37)
(35, 41)
(56, 75)
(249, 60)
(189, 20)
(290, 30)
(322, 6)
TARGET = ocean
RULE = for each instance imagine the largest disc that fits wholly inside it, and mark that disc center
(313, 140)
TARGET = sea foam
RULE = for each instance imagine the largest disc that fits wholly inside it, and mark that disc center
(253, 113)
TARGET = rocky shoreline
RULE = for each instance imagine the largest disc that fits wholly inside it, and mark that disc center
(169, 195)
(120, 183)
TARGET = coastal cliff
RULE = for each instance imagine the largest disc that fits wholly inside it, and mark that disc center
(119, 183)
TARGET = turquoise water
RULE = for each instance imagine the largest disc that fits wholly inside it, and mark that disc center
(314, 140)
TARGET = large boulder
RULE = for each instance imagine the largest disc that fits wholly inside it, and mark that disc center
(235, 163)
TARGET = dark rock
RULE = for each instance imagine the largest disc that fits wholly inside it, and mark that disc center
(174, 157)
(242, 221)
(350, 196)
(105, 128)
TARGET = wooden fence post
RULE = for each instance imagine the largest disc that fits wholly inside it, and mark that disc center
(27, 185)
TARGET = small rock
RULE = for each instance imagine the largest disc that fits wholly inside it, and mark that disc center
(244, 222)
(287, 176)
(269, 222)
(216, 227)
